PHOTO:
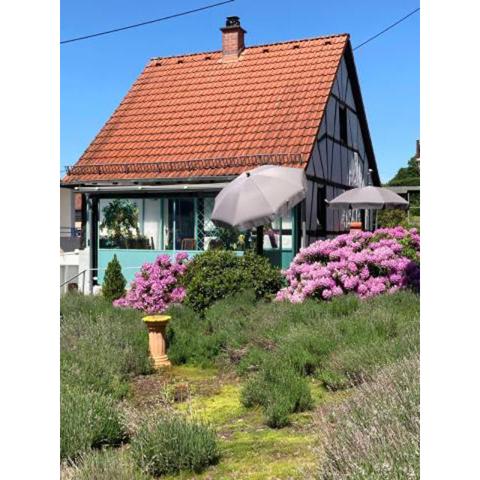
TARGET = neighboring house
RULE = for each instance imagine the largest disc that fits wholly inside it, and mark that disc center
(406, 183)
(69, 227)
(192, 123)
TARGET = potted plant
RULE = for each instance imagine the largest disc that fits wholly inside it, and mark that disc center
(156, 287)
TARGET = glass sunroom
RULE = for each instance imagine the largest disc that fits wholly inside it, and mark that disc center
(139, 228)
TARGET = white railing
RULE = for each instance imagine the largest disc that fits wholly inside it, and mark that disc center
(87, 286)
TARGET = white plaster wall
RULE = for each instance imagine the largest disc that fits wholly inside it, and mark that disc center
(72, 263)
(67, 210)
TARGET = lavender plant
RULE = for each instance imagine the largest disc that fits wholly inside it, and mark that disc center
(375, 434)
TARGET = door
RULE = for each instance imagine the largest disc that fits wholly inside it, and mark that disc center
(180, 231)
(280, 239)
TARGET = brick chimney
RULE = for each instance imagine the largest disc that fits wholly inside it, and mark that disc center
(233, 41)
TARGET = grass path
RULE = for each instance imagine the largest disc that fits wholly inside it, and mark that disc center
(250, 449)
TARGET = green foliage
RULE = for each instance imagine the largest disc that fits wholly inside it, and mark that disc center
(109, 464)
(120, 217)
(217, 274)
(391, 217)
(280, 390)
(409, 175)
(114, 282)
(260, 275)
(409, 249)
(170, 444)
(88, 419)
(211, 276)
(375, 433)
(231, 239)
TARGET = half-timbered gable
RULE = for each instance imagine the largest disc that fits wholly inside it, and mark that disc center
(342, 155)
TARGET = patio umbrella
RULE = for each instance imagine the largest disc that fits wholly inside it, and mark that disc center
(375, 198)
(259, 196)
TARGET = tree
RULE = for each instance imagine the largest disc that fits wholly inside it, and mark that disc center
(114, 283)
(120, 218)
(409, 175)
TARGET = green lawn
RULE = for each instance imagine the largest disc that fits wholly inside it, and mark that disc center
(330, 351)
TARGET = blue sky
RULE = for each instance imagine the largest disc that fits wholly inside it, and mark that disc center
(96, 73)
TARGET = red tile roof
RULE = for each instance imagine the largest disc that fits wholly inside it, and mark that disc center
(196, 115)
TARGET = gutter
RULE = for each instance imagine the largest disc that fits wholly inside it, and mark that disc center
(142, 182)
(189, 187)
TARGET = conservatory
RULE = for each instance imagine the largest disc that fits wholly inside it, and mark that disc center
(138, 228)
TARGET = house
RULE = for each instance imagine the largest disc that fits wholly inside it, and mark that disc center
(191, 123)
(69, 226)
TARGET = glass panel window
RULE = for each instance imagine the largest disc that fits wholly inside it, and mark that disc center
(206, 230)
(185, 225)
(121, 224)
(287, 231)
(279, 234)
(272, 234)
(321, 210)
(180, 230)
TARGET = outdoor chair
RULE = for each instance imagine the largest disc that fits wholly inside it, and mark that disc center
(188, 244)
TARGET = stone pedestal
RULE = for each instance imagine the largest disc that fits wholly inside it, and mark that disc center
(156, 325)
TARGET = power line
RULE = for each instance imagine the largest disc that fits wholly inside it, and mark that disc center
(146, 23)
(388, 28)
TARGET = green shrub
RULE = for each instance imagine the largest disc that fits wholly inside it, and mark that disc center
(375, 434)
(217, 274)
(391, 217)
(114, 282)
(88, 419)
(169, 445)
(108, 464)
(260, 275)
(280, 390)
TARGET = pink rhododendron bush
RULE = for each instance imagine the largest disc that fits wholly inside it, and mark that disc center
(156, 286)
(364, 263)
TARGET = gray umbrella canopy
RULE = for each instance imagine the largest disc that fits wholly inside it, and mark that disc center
(259, 196)
(369, 197)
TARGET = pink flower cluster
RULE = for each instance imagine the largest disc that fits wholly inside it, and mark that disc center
(364, 263)
(156, 286)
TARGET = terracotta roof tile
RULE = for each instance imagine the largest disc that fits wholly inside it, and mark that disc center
(185, 109)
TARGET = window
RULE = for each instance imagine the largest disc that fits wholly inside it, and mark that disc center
(322, 210)
(279, 234)
(120, 224)
(342, 116)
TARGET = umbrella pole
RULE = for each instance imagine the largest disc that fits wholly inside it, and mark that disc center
(260, 240)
